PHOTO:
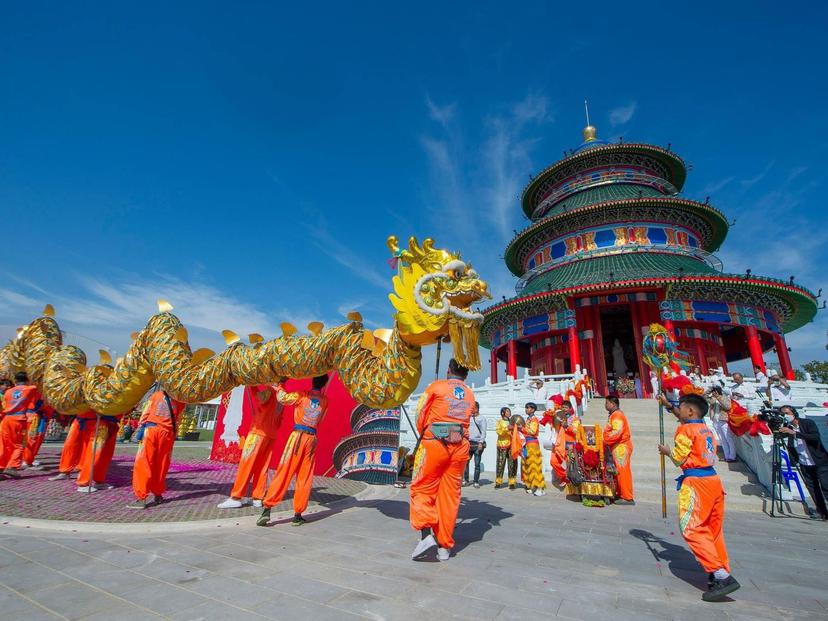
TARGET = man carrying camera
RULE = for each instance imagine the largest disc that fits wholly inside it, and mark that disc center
(739, 390)
(806, 450)
(477, 442)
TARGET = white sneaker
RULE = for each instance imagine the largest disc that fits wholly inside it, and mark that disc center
(231, 503)
(443, 554)
(23, 466)
(36, 462)
(60, 476)
(103, 486)
(246, 501)
(88, 489)
(424, 546)
(257, 503)
(540, 492)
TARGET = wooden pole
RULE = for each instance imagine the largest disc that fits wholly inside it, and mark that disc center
(661, 441)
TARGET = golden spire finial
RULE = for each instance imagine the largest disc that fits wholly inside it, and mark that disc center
(590, 133)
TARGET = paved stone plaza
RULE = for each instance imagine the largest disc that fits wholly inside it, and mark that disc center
(518, 557)
(195, 486)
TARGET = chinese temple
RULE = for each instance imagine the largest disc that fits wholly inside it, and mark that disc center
(611, 247)
(370, 453)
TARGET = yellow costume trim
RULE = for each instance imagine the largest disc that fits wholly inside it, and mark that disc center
(681, 450)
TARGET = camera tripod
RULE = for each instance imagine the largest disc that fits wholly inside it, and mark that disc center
(777, 478)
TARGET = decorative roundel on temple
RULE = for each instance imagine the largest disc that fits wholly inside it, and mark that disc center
(611, 248)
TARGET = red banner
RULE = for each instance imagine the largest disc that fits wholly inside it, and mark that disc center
(235, 415)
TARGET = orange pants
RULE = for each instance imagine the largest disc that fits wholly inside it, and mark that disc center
(298, 459)
(12, 438)
(253, 466)
(34, 440)
(107, 435)
(149, 475)
(701, 519)
(621, 455)
(435, 488)
(70, 456)
(558, 462)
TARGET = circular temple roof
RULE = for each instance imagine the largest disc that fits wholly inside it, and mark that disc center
(599, 156)
(707, 221)
(683, 277)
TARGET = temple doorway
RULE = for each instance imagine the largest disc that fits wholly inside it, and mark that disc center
(619, 346)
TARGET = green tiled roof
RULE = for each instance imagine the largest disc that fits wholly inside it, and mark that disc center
(629, 266)
(602, 193)
(796, 305)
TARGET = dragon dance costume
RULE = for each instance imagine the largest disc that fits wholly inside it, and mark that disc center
(504, 444)
(531, 470)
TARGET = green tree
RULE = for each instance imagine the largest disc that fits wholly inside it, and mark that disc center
(818, 370)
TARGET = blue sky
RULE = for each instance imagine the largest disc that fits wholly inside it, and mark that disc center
(248, 163)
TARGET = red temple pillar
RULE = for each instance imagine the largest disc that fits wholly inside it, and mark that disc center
(636, 311)
(511, 364)
(493, 374)
(599, 373)
(785, 366)
(574, 348)
(755, 348)
(701, 358)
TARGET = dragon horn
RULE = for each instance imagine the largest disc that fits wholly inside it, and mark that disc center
(254, 338)
(315, 327)
(230, 337)
(288, 329)
(164, 306)
(106, 358)
(48, 311)
(355, 316)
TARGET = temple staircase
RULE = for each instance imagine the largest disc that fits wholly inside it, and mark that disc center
(744, 492)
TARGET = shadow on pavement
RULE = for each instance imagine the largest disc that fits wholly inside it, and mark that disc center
(680, 561)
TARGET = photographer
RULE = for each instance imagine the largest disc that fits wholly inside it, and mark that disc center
(806, 450)
(739, 390)
(779, 390)
(477, 442)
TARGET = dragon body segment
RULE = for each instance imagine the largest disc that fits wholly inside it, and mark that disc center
(433, 292)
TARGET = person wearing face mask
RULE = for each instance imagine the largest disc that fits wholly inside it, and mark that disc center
(805, 449)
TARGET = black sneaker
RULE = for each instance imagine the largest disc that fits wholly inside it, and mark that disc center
(720, 589)
(157, 500)
(298, 520)
(710, 579)
(512, 486)
(264, 518)
(137, 504)
(621, 501)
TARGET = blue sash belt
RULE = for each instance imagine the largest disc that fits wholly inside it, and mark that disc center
(110, 419)
(150, 425)
(695, 472)
(305, 429)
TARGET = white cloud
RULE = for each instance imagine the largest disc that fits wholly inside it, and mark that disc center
(716, 186)
(746, 183)
(622, 114)
(345, 256)
(441, 114)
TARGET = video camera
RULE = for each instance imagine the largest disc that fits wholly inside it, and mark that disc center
(773, 417)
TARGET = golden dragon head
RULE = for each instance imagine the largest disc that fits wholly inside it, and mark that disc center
(433, 293)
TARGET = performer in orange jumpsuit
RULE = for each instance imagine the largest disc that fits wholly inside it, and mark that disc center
(617, 436)
(70, 455)
(567, 422)
(443, 418)
(701, 495)
(149, 475)
(258, 447)
(18, 402)
(38, 419)
(299, 455)
(96, 453)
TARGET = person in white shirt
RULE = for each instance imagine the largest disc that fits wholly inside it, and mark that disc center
(539, 391)
(778, 389)
(477, 442)
(739, 390)
(721, 407)
(761, 378)
(696, 376)
(654, 384)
